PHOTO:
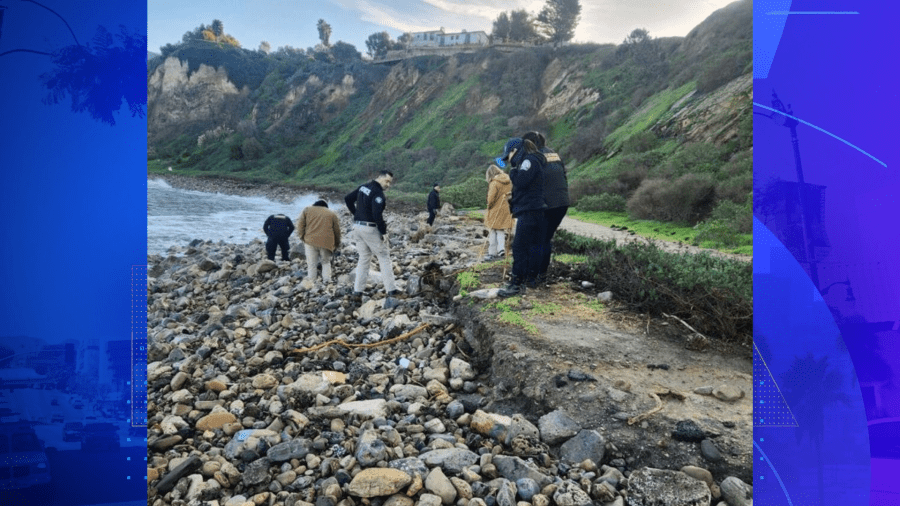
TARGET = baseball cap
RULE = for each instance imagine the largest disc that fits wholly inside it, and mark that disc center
(514, 143)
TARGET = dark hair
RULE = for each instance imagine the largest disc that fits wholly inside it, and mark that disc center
(386, 173)
(435, 185)
(536, 138)
(530, 147)
(321, 203)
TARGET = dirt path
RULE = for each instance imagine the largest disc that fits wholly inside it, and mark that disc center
(605, 233)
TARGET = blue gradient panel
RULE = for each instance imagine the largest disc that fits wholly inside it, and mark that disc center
(826, 265)
(72, 226)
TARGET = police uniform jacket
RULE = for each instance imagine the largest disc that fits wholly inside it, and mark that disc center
(556, 184)
(278, 226)
(367, 203)
(528, 184)
(434, 201)
(319, 227)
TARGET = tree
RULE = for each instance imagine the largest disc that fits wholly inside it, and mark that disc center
(559, 18)
(378, 44)
(100, 75)
(217, 28)
(810, 386)
(501, 29)
(324, 31)
(344, 52)
(521, 26)
(637, 36)
(265, 47)
(404, 40)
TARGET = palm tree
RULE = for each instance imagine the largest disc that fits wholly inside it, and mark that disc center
(810, 387)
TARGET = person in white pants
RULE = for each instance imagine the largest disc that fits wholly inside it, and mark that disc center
(498, 219)
(367, 204)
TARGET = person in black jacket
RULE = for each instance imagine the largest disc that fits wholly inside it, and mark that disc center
(527, 206)
(367, 204)
(556, 196)
(434, 203)
(278, 229)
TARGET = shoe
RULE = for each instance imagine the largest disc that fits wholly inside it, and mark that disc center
(510, 290)
(533, 283)
(490, 258)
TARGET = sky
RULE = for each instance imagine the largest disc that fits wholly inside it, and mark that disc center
(293, 23)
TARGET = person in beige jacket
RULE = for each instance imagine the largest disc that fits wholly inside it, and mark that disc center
(320, 231)
(498, 219)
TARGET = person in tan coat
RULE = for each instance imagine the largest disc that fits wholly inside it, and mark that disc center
(320, 231)
(498, 219)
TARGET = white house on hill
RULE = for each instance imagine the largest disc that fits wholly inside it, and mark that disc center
(437, 38)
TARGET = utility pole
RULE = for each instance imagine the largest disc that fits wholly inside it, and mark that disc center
(791, 123)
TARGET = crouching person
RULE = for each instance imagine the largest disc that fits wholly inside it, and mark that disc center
(278, 228)
(320, 231)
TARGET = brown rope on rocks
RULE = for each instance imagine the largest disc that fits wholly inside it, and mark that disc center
(648, 414)
(372, 345)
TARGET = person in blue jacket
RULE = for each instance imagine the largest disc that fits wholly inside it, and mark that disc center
(556, 196)
(434, 203)
(527, 206)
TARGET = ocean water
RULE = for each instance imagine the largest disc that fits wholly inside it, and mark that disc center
(176, 217)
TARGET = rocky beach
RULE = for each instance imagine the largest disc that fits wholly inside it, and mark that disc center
(265, 388)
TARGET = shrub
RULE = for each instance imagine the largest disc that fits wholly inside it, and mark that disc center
(723, 69)
(640, 142)
(588, 141)
(603, 202)
(471, 193)
(688, 199)
(236, 152)
(714, 295)
(695, 157)
(738, 217)
(252, 149)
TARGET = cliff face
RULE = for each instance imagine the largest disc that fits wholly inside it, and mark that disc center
(330, 109)
(181, 103)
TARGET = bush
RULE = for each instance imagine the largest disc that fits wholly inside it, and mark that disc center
(723, 69)
(688, 199)
(714, 295)
(640, 142)
(252, 149)
(695, 157)
(738, 217)
(470, 194)
(604, 202)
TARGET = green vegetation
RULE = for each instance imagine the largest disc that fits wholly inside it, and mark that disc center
(714, 295)
(467, 280)
(445, 119)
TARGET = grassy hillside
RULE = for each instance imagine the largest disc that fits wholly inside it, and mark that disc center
(332, 121)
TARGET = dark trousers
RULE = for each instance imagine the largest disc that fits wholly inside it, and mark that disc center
(528, 246)
(431, 214)
(554, 217)
(274, 242)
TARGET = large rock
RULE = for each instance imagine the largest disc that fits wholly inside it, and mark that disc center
(453, 460)
(557, 427)
(490, 424)
(587, 444)
(438, 484)
(736, 492)
(514, 468)
(409, 392)
(519, 426)
(378, 481)
(370, 449)
(569, 493)
(294, 449)
(411, 466)
(660, 487)
(374, 408)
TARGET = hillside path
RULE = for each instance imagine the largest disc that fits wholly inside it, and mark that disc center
(605, 233)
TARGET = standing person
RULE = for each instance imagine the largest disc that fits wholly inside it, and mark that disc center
(278, 229)
(434, 203)
(320, 231)
(556, 196)
(498, 219)
(367, 204)
(527, 206)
